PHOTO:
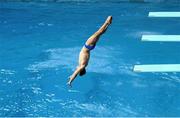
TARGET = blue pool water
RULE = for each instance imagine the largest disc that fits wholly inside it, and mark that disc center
(39, 46)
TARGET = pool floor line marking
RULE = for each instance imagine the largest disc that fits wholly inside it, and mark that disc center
(157, 68)
(164, 14)
(167, 38)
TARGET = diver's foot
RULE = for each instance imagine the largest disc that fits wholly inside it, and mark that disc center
(109, 20)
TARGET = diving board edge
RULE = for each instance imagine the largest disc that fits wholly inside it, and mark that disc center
(157, 68)
(164, 14)
(164, 38)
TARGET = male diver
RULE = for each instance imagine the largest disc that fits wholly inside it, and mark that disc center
(84, 54)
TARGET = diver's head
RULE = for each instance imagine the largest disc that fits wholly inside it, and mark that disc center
(82, 72)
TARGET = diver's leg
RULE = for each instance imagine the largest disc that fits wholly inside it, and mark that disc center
(94, 38)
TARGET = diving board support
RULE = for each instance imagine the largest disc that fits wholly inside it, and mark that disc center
(164, 38)
(157, 68)
(164, 14)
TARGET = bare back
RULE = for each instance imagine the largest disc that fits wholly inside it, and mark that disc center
(84, 56)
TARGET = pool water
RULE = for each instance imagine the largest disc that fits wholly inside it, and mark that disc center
(39, 47)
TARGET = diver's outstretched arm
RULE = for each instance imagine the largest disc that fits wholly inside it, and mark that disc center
(76, 72)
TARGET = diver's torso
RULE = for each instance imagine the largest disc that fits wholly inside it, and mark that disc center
(84, 56)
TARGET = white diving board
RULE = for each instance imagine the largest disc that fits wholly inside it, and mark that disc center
(164, 14)
(166, 38)
(157, 68)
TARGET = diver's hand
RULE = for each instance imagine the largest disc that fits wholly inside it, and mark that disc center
(69, 82)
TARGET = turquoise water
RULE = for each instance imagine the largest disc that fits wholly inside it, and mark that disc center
(39, 47)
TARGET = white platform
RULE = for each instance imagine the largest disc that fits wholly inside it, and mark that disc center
(157, 68)
(167, 38)
(164, 14)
